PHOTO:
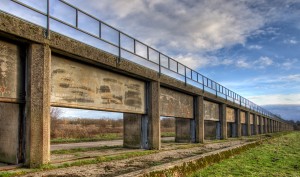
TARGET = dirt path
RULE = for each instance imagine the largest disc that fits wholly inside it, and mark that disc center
(94, 144)
(120, 167)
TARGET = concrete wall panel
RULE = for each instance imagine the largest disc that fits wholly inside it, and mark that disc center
(211, 111)
(82, 86)
(9, 132)
(243, 117)
(176, 104)
(230, 115)
(251, 119)
(10, 71)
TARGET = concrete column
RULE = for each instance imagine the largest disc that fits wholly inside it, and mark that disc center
(238, 123)
(223, 121)
(199, 119)
(266, 125)
(132, 132)
(154, 141)
(261, 125)
(183, 130)
(248, 123)
(38, 106)
(255, 124)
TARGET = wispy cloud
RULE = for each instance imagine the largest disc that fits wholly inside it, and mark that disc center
(290, 41)
(256, 47)
(276, 99)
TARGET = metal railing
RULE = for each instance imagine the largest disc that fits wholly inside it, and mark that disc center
(125, 44)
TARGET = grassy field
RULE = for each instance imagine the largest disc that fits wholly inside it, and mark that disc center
(277, 157)
(102, 129)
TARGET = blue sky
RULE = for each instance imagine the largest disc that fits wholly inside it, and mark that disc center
(249, 46)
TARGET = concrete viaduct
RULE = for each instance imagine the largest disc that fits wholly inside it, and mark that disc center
(40, 68)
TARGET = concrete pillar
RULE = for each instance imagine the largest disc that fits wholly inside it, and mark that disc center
(248, 123)
(132, 132)
(199, 119)
(183, 130)
(223, 121)
(38, 106)
(266, 125)
(238, 123)
(154, 141)
(255, 124)
(261, 127)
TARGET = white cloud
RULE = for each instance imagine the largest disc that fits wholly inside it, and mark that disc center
(289, 63)
(243, 63)
(185, 26)
(257, 47)
(276, 99)
(290, 41)
(263, 62)
(200, 61)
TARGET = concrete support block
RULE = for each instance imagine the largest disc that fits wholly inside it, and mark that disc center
(132, 132)
(265, 125)
(223, 121)
(38, 106)
(260, 130)
(238, 122)
(183, 130)
(154, 141)
(199, 119)
(255, 124)
(248, 123)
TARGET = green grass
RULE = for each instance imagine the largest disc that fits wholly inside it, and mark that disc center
(75, 150)
(276, 157)
(100, 137)
(167, 134)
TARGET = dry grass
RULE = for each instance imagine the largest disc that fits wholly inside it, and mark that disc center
(96, 129)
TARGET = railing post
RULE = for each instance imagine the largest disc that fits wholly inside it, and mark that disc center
(48, 20)
(119, 59)
(185, 75)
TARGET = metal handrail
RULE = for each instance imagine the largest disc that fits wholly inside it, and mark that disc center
(205, 81)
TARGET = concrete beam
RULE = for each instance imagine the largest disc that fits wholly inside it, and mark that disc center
(199, 119)
(38, 106)
(154, 141)
(223, 121)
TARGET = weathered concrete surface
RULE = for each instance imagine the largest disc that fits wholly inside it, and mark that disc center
(211, 111)
(210, 130)
(248, 119)
(176, 104)
(154, 116)
(199, 119)
(239, 124)
(11, 71)
(182, 130)
(38, 106)
(77, 85)
(132, 132)
(255, 123)
(223, 121)
(243, 117)
(9, 132)
(230, 115)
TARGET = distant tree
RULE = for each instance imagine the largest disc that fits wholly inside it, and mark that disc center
(55, 114)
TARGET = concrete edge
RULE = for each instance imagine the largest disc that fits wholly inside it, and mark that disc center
(183, 163)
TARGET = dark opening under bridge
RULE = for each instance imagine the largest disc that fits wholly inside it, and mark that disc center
(49, 60)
